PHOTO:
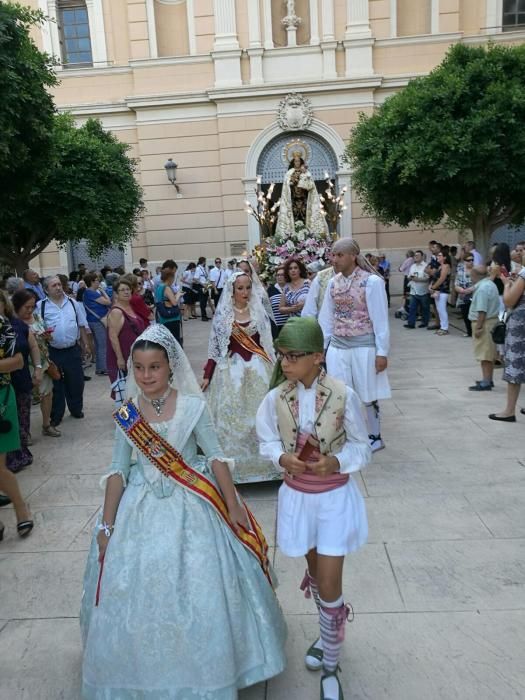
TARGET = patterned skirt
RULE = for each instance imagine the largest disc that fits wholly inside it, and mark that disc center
(514, 372)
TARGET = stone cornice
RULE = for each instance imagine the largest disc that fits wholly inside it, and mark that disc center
(451, 38)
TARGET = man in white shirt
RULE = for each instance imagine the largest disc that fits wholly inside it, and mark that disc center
(419, 296)
(218, 280)
(315, 296)
(200, 282)
(67, 319)
(471, 248)
(354, 319)
(229, 270)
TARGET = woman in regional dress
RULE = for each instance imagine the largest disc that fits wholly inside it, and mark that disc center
(180, 608)
(237, 375)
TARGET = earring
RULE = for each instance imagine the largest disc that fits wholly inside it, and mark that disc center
(171, 376)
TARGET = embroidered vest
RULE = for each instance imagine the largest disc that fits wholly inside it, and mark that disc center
(329, 414)
(350, 311)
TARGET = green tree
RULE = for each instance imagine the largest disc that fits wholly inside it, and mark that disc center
(86, 190)
(450, 146)
(26, 108)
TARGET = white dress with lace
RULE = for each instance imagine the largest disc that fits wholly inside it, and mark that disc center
(185, 610)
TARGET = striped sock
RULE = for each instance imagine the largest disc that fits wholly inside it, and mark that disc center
(310, 588)
(332, 619)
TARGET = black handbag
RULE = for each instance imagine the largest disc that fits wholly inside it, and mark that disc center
(169, 312)
(499, 330)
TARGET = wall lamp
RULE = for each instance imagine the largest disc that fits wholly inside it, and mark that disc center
(171, 171)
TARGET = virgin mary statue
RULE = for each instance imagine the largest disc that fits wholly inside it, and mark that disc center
(300, 201)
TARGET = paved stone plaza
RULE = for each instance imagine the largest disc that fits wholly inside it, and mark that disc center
(438, 591)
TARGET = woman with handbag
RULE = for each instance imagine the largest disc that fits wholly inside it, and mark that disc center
(124, 327)
(97, 304)
(10, 361)
(167, 304)
(24, 302)
(440, 291)
(21, 379)
(514, 355)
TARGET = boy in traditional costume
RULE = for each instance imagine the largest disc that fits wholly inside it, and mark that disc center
(311, 426)
(354, 319)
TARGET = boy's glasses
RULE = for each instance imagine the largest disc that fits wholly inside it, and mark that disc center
(291, 357)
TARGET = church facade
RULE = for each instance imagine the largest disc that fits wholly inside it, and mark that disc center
(229, 89)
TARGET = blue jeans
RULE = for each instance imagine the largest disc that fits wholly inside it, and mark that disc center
(69, 389)
(99, 333)
(416, 301)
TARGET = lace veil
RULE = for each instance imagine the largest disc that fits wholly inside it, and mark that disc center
(258, 288)
(182, 377)
(225, 316)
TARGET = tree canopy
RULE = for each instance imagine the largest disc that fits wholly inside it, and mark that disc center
(26, 107)
(86, 190)
(450, 146)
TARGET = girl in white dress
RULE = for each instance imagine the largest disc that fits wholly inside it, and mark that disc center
(177, 602)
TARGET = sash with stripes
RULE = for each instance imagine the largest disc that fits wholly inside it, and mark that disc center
(171, 463)
(248, 343)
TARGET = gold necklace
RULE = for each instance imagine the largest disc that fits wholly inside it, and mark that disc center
(241, 311)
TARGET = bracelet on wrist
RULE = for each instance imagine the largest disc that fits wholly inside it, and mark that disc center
(106, 529)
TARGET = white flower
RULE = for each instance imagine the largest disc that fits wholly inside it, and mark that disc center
(290, 245)
(276, 260)
(300, 236)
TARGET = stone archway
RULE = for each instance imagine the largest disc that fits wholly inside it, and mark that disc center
(327, 149)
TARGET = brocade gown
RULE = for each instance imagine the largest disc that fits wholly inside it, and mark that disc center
(185, 610)
(238, 384)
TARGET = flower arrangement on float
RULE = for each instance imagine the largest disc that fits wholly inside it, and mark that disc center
(301, 244)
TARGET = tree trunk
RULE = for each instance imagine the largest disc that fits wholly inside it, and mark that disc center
(481, 233)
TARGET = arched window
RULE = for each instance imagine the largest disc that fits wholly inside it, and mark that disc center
(75, 39)
(513, 15)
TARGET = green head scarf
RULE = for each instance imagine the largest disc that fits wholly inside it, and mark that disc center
(298, 335)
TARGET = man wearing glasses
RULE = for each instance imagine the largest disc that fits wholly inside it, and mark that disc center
(217, 278)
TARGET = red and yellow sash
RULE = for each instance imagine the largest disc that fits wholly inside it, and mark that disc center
(171, 464)
(248, 343)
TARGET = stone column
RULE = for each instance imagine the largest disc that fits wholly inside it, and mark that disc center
(225, 25)
(393, 18)
(358, 39)
(190, 16)
(98, 33)
(434, 17)
(255, 50)
(328, 42)
(52, 41)
(357, 19)
(226, 53)
(314, 22)
(152, 29)
(493, 16)
(254, 24)
(267, 19)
